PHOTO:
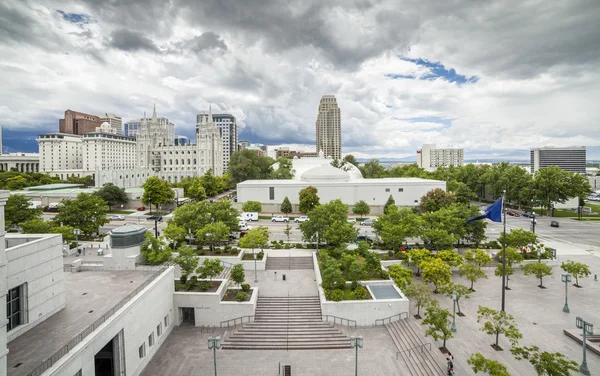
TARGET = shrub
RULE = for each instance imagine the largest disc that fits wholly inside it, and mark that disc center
(203, 285)
(200, 251)
(299, 246)
(492, 244)
(390, 254)
(287, 246)
(385, 257)
(218, 251)
(260, 255)
(245, 287)
(183, 278)
(241, 296)
(337, 295)
(191, 283)
(277, 246)
(360, 293)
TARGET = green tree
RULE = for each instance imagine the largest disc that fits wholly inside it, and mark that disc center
(437, 320)
(450, 257)
(156, 192)
(420, 294)
(436, 199)
(192, 217)
(480, 363)
(187, 261)
(238, 274)
(417, 256)
(332, 278)
(518, 238)
(257, 237)
(509, 271)
(308, 199)
(577, 269)
(213, 234)
(555, 185)
(461, 291)
(286, 206)
(372, 169)
(212, 184)
(437, 239)
(461, 191)
(284, 170)
(437, 272)
(252, 206)
(396, 226)
(87, 181)
(247, 165)
(19, 210)
(87, 212)
(361, 208)
(545, 363)
(68, 236)
(196, 190)
(350, 159)
(539, 270)
(472, 273)
(37, 226)
(479, 256)
(330, 221)
(210, 268)
(498, 322)
(401, 276)
(356, 272)
(112, 195)
(16, 183)
(154, 250)
(389, 203)
(287, 231)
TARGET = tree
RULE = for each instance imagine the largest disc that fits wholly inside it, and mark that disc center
(112, 195)
(356, 272)
(210, 268)
(552, 185)
(188, 219)
(509, 271)
(437, 319)
(257, 237)
(284, 170)
(238, 274)
(401, 276)
(461, 291)
(350, 159)
(436, 199)
(87, 181)
(437, 272)
(577, 269)
(417, 256)
(479, 256)
(372, 169)
(437, 238)
(286, 206)
(498, 322)
(518, 238)
(87, 212)
(513, 256)
(247, 165)
(390, 202)
(461, 191)
(187, 261)
(545, 363)
(420, 294)
(154, 250)
(361, 208)
(480, 363)
(196, 190)
(398, 224)
(212, 184)
(37, 226)
(252, 206)
(213, 234)
(68, 236)
(539, 270)
(308, 199)
(332, 278)
(19, 210)
(450, 257)
(472, 273)
(156, 192)
(330, 221)
(287, 231)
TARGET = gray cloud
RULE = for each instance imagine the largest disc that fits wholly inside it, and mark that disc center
(128, 40)
(204, 42)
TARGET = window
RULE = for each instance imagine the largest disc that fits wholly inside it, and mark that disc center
(142, 350)
(387, 189)
(14, 307)
(159, 330)
(416, 201)
(400, 189)
(271, 193)
(151, 339)
(166, 321)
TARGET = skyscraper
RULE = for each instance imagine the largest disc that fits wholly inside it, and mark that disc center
(227, 126)
(569, 159)
(329, 128)
(115, 122)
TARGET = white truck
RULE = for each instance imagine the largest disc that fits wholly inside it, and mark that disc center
(250, 216)
(280, 218)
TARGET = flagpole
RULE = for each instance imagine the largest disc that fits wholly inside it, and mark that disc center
(504, 254)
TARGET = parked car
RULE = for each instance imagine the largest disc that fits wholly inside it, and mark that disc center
(244, 226)
(280, 218)
(527, 214)
(351, 220)
(116, 217)
(513, 214)
(301, 219)
(141, 208)
(554, 224)
(367, 222)
(154, 218)
(364, 238)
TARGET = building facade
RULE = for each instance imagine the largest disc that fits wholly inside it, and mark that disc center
(132, 127)
(329, 128)
(105, 149)
(78, 123)
(115, 122)
(60, 151)
(572, 159)
(21, 162)
(0, 140)
(227, 126)
(430, 157)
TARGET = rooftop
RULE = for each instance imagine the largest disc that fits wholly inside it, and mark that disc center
(381, 181)
(51, 187)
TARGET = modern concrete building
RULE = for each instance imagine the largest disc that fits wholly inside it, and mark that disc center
(115, 122)
(569, 159)
(78, 123)
(21, 162)
(329, 128)
(430, 157)
(227, 126)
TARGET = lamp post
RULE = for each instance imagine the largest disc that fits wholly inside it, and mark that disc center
(356, 343)
(76, 231)
(566, 278)
(214, 344)
(453, 327)
(255, 276)
(588, 329)
(533, 222)
(317, 243)
(410, 263)
(539, 255)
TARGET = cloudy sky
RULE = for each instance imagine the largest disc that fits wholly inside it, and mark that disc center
(493, 77)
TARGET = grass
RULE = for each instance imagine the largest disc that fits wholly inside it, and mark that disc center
(562, 213)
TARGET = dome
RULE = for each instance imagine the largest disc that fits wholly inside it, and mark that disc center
(325, 173)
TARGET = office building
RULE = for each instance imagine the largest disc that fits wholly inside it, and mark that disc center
(430, 157)
(132, 127)
(115, 122)
(21, 162)
(569, 159)
(227, 126)
(78, 123)
(329, 128)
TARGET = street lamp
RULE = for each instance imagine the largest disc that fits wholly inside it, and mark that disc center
(533, 222)
(539, 254)
(255, 276)
(214, 344)
(356, 343)
(566, 278)
(588, 329)
(76, 231)
(317, 243)
(453, 327)
(410, 263)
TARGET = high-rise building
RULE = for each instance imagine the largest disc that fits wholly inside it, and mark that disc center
(329, 128)
(132, 127)
(0, 140)
(431, 157)
(227, 126)
(78, 123)
(115, 122)
(569, 159)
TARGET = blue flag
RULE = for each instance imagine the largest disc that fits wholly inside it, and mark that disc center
(493, 212)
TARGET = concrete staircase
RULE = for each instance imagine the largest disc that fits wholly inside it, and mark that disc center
(420, 361)
(292, 323)
(289, 263)
(224, 274)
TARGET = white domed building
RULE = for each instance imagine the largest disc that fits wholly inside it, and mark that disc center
(335, 183)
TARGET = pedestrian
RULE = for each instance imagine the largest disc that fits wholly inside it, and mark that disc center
(450, 355)
(450, 367)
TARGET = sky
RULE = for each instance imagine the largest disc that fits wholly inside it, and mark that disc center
(495, 78)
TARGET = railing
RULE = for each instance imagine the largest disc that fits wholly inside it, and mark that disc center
(422, 347)
(207, 328)
(227, 264)
(391, 317)
(349, 323)
(92, 327)
(235, 320)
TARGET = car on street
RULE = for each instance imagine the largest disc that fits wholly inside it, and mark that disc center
(527, 214)
(554, 224)
(141, 208)
(280, 218)
(513, 214)
(116, 217)
(301, 219)
(351, 220)
(244, 226)
(367, 222)
(364, 238)
(154, 218)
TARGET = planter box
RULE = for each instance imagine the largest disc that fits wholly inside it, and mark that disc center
(248, 264)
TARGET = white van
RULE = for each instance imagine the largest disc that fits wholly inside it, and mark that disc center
(251, 216)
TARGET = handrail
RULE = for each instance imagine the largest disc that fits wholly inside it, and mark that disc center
(414, 348)
(349, 322)
(391, 317)
(92, 327)
(227, 264)
(207, 328)
(241, 318)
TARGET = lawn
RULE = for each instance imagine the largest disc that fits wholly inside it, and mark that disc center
(562, 213)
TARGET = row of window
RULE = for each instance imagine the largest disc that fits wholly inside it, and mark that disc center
(159, 332)
(399, 189)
